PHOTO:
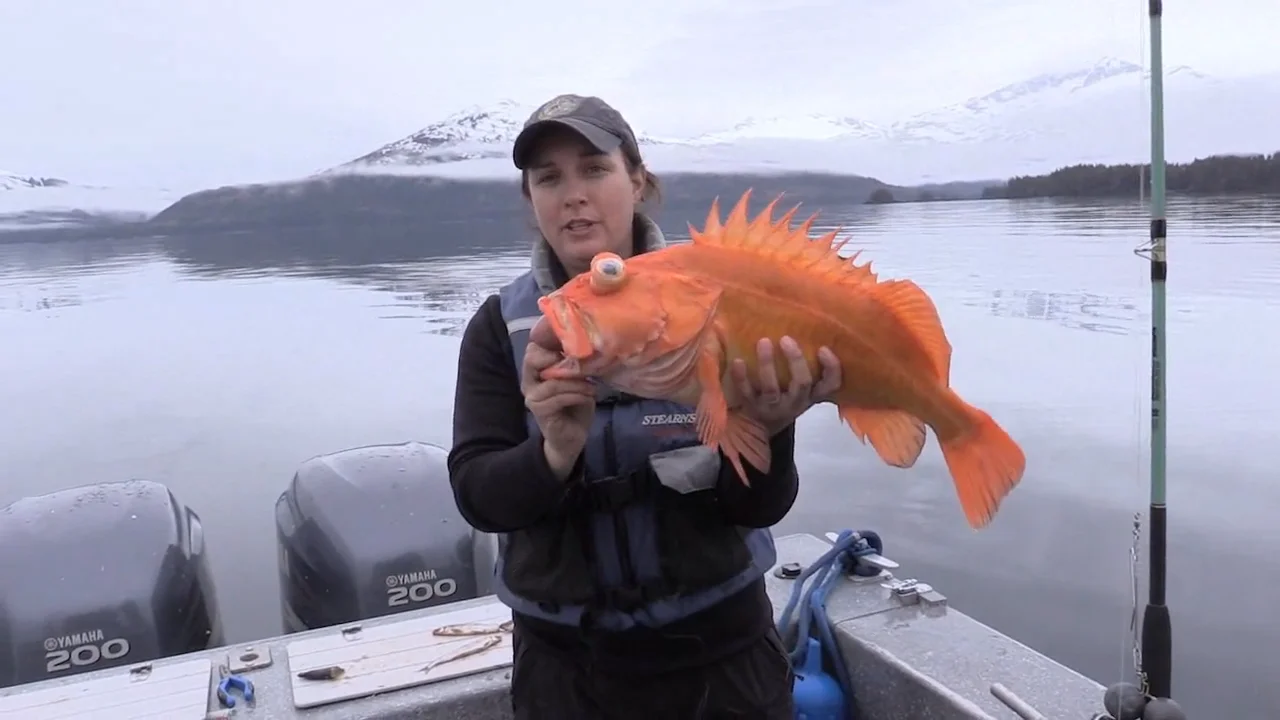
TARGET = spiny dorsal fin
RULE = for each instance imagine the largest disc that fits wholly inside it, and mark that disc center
(780, 242)
(713, 223)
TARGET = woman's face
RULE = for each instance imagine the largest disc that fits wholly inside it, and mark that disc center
(584, 201)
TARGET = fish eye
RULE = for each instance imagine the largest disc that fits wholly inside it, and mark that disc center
(608, 272)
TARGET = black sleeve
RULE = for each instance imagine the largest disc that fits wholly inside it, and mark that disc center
(771, 494)
(500, 477)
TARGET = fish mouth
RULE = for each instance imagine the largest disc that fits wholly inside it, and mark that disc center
(574, 329)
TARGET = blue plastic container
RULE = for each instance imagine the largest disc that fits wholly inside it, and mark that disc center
(817, 695)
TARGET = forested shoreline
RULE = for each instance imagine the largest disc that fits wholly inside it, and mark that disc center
(1215, 175)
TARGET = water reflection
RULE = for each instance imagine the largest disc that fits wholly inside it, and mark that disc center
(446, 291)
(1055, 260)
(356, 253)
(22, 303)
(216, 363)
(71, 257)
(435, 275)
(1079, 311)
(51, 276)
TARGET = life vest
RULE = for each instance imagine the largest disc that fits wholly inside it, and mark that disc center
(640, 540)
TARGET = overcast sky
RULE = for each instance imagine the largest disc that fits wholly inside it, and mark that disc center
(193, 94)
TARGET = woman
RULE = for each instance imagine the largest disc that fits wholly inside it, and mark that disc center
(632, 557)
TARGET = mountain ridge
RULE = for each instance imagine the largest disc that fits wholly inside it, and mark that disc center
(486, 132)
(13, 181)
(1094, 114)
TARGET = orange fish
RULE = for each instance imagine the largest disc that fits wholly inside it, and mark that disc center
(667, 324)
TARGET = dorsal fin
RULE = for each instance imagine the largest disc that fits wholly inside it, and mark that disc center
(913, 307)
(778, 241)
(713, 222)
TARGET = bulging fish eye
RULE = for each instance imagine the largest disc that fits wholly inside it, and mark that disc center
(608, 272)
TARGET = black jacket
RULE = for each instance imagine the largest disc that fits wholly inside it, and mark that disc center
(501, 482)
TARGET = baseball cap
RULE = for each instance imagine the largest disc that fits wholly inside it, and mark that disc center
(592, 118)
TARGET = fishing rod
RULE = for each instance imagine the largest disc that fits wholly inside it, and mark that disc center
(1157, 643)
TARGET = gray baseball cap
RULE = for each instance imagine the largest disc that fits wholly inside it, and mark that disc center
(592, 118)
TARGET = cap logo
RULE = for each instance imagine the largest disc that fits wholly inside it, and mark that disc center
(559, 107)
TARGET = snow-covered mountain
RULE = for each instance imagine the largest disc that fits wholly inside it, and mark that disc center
(999, 115)
(14, 181)
(1097, 113)
(31, 201)
(470, 134)
(486, 133)
(474, 133)
(813, 126)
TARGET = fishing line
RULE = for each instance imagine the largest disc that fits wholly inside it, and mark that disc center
(1133, 638)
(1131, 643)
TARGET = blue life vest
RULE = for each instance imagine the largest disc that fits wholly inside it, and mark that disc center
(642, 540)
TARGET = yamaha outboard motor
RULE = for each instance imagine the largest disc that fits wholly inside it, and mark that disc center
(99, 576)
(373, 531)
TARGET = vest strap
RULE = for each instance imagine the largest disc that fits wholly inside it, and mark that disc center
(631, 598)
(611, 494)
(620, 599)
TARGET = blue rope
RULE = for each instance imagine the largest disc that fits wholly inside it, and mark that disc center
(826, 633)
(836, 562)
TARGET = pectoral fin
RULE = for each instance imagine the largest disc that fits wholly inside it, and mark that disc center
(731, 432)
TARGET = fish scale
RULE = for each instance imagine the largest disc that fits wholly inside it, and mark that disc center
(666, 324)
(766, 312)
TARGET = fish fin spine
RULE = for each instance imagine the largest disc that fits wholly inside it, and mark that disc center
(916, 311)
(736, 435)
(745, 438)
(897, 436)
(779, 241)
(712, 409)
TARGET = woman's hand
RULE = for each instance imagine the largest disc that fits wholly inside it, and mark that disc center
(774, 407)
(563, 409)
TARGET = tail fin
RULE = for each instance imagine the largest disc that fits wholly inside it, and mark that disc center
(985, 464)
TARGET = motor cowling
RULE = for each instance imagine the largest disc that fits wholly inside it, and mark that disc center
(372, 531)
(100, 576)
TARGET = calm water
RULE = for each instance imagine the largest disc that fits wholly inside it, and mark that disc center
(217, 364)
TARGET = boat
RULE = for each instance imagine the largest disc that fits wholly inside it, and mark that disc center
(108, 611)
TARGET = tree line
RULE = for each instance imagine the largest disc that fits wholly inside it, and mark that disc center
(1214, 175)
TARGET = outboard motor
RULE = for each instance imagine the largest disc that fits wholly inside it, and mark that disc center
(373, 531)
(100, 576)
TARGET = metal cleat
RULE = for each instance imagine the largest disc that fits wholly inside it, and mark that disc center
(878, 561)
(906, 590)
(874, 560)
(910, 591)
